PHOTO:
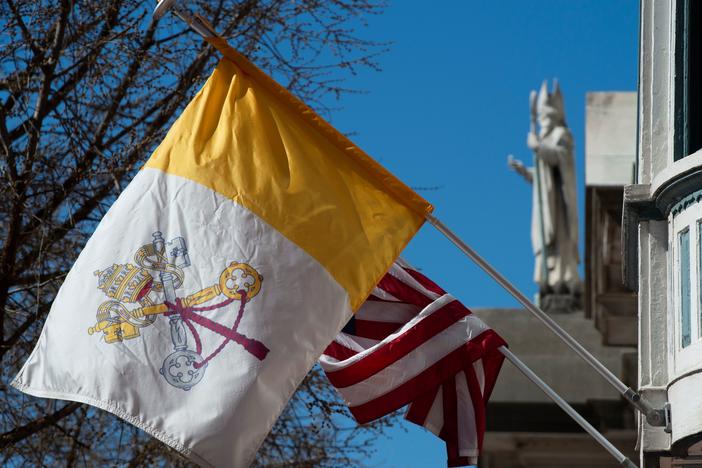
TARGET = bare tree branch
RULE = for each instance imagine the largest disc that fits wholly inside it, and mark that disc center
(37, 425)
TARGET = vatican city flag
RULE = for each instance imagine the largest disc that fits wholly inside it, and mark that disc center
(223, 270)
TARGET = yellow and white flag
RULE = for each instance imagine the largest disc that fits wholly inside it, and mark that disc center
(223, 270)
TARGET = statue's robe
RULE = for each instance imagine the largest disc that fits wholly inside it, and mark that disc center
(556, 167)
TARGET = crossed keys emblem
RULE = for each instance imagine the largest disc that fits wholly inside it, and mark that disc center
(151, 284)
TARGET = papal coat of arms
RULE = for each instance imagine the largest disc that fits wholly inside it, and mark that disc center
(141, 292)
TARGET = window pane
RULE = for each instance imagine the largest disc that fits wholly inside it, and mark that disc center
(688, 67)
(685, 300)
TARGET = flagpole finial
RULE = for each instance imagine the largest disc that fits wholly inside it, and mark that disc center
(162, 7)
(196, 22)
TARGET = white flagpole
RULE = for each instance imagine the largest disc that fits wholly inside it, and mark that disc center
(653, 417)
(196, 22)
(616, 453)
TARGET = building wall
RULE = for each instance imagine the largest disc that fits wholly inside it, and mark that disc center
(610, 155)
(663, 234)
(524, 428)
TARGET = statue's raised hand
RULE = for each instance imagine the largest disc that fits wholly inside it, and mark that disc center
(517, 166)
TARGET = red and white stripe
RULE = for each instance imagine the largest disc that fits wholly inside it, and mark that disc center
(413, 344)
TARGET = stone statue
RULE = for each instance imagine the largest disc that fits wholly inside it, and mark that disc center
(554, 229)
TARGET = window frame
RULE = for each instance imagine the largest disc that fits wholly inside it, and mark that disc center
(690, 219)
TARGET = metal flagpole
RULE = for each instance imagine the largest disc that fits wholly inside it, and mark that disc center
(653, 416)
(621, 458)
(196, 22)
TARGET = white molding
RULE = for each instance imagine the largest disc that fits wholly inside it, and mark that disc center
(675, 169)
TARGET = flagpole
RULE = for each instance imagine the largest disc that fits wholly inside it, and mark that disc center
(196, 22)
(653, 416)
(594, 433)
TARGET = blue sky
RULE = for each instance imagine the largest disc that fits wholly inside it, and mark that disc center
(449, 106)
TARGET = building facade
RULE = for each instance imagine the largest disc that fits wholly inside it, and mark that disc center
(662, 229)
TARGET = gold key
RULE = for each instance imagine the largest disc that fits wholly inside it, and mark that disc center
(118, 323)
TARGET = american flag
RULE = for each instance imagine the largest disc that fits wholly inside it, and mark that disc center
(413, 344)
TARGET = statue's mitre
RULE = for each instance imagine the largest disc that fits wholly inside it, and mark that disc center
(551, 104)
